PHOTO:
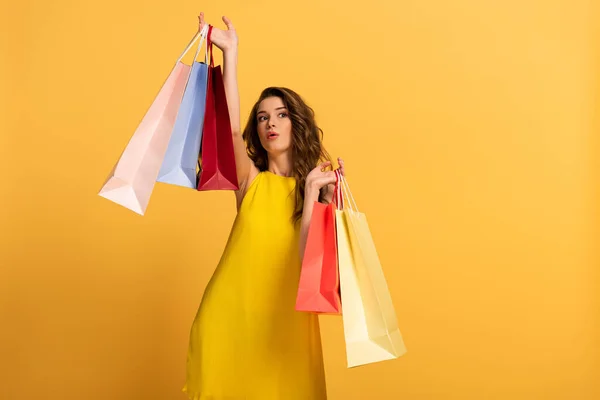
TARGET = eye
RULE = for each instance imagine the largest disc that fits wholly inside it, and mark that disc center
(261, 118)
(283, 114)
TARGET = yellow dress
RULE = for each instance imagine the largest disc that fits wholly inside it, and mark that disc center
(247, 341)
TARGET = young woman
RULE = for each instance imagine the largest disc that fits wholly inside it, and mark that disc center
(247, 341)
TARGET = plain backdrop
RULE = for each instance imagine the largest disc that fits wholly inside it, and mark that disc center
(470, 134)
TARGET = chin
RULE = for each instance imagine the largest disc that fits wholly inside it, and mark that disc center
(275, 150)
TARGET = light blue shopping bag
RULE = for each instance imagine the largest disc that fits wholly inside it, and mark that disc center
(181, 158)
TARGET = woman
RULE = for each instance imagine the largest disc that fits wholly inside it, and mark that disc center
(247, 341)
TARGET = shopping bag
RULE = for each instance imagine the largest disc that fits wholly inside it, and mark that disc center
(370, 324)
(181, 157)
(319, 285)
(132, 179)
(217, 160)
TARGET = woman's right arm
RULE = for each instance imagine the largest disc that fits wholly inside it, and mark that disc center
(227, 41)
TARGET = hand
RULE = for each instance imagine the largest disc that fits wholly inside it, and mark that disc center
(318, 179)
(224, 40)
(327, 192)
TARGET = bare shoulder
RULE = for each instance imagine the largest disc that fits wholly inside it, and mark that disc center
(245, 185)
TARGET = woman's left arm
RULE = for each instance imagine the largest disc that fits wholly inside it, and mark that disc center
(315, 181)
(309, 201)
(326, 192)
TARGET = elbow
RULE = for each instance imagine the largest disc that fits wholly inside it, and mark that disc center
(236, 132)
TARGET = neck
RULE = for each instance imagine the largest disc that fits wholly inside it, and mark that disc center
(281, 164)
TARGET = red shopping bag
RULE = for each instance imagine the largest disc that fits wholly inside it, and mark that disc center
(319, 287)
(217, 160)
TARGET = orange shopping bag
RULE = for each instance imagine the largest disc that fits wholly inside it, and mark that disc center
(319, 287)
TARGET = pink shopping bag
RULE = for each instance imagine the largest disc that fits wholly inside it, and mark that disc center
(132, 179)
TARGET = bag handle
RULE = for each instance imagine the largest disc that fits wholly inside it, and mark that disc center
(209, 46)
(347, 193)
(201, 34)
(338, 199)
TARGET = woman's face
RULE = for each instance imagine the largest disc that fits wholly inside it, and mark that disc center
(274, 126)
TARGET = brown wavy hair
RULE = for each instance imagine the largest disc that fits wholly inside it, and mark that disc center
(307, 140)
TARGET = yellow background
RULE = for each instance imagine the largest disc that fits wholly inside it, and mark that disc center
(470, 132)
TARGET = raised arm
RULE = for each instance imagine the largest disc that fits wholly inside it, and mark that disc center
(227, 41)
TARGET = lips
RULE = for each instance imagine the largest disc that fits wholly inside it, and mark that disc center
(272, 135)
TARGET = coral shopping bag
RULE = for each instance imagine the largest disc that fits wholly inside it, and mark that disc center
(370, 324)
(132, 179)
(319, 286)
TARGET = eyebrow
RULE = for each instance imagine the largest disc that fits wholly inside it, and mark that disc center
(278, 108)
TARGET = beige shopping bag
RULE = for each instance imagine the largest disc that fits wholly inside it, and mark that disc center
(370, 323)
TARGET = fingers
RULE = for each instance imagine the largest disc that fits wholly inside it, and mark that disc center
(201, 21)
(322, 166)
(228, 23)
(326, 179)
(341, 162)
